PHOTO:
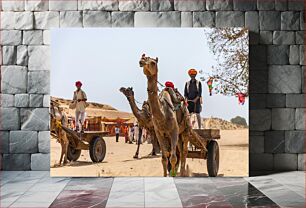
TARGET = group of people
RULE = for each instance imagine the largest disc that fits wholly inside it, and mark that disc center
(131, 133)
(192, 94)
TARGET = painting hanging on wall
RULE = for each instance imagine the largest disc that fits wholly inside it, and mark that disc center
(149, 102)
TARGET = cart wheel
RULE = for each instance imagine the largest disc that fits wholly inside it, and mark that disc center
(213, 158)
(73, 154)
(97, 149)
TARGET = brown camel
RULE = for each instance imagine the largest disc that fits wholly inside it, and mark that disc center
(171, 118)
(164, 117)
(144, 118)
(58, 119)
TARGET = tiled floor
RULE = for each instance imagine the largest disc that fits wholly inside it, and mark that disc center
(37, 189)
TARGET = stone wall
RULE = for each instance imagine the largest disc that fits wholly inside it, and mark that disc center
(276, 68)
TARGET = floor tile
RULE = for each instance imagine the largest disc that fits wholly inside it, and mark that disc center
(128, 199)
(128, 185)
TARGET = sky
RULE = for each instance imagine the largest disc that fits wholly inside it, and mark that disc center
(105, 59)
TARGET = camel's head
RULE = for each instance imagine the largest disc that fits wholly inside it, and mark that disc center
(128, 92)
(149, 65)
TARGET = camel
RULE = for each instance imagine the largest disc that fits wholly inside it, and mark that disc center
(171, 124)
(59, 117)
(144, 119)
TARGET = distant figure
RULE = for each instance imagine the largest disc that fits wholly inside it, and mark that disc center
(193, 95)
(117, 132)
(126, 134)
(136, 133)
(79, 103)
(131, 134)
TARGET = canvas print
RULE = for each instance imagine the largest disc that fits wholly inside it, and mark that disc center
(149, 102)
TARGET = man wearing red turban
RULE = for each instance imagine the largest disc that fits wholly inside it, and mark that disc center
(193, 95)
(79, 98)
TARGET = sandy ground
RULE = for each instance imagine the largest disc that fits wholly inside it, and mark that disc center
(119, 159)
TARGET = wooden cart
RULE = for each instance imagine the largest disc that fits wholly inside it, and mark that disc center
(208, 136)
(90, 140)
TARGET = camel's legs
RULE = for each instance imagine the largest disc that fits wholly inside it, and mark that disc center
(138, 144)
(62, 153)
(184, 153)
(173, 158)
(155, 145)
(165, 162)
(180, 147)
(65, 147)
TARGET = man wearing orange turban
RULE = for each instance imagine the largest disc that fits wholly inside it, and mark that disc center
(193, 95)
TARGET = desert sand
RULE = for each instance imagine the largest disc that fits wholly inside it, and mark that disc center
(119, 159)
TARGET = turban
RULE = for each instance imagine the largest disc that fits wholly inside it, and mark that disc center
(192, 72)
(169, 84)
(78, 83)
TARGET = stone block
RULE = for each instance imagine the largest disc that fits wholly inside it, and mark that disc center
(40, 162)
(39, 82)
(9, 55)
(303, 79)
(71, 19)
(35, 119)
(98, 5)
(46, 37)
(297, 5)
(16, 162)
(285, 162)
(46, 20)
(290, 20)
(122, 19)
(265, 5)
(157, 19)
(44, 141)
(261, 161)
(276, 100)
(300, 119)
(246, 5)
(39, 58)
(285, 79)
(301, 162)
(229, 19)
(302, 20)
(24, 20)
(22, 100)
(162, 5)
(281, 5)
(295, 101)
(252, 21)
(299, 37)
(46, 101)
(294, 141)
(63, 5)
(186, 19)
(278, 54)
(302, 55)
(258, 82)
(283, 118)
(6, 100)
(260, 120)
(256, 133)
(258, 56)
(222, 5)
(13, 79)
(11, 118)
(7, 22)
(36, 100)
(11, 37)
(257, 101)
(283, 37)
(33, 37)
(22, 55)
(274, 141)
(203, 19)
(13, 5)
(185, 6)
(256, 144)
(23, 142)
(4, 141)
(269, 20)
(294, 54)
(36, 5)
(97, 19)
(134, 5)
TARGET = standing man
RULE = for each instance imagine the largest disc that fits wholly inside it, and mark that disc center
(79, 98)
(117, 132)
(193, 95)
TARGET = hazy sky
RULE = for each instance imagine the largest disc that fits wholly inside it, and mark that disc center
(105, 59)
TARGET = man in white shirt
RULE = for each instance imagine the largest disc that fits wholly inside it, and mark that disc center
(80, 98)
(117, 132)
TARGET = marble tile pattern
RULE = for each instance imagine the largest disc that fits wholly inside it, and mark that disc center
(38, 189)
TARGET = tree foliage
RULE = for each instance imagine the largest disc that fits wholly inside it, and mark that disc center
(231, 73)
